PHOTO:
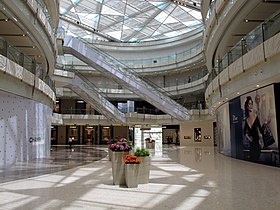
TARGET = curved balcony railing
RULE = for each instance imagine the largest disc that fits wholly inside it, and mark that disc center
(171, 83)
(40, 10)
(166, 60)
(212, 19)
(151, 62)
(25, 61)
(256, 37)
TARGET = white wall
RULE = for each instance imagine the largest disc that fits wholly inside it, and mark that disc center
(20, 120)
(187, 130)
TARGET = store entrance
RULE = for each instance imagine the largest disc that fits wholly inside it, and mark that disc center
(90, 135)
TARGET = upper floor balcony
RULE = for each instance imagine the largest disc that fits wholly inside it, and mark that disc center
(31, 28)
(228, 21)
(21, 67)
(250, 64)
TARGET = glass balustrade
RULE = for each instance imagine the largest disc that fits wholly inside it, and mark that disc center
(261, 33)
(15, 55)
(39, 7)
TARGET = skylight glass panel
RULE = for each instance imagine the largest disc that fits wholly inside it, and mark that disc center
(62, 10)
(161, 17)
(115, 34)
(131, 20)
(75, 1)
(108, 11)
(192, 23)
(185, 8)
(160, 5)
(170, 19)
(156, 33)
(195, 14)
(125, 27)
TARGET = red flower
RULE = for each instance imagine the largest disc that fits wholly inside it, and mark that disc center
(132, 159)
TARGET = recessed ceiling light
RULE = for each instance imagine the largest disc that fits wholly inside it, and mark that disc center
(257, 85)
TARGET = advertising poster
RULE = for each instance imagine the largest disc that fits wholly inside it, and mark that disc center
(259, 128)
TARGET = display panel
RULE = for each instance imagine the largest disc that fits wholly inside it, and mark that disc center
(259, 127)
(223, 126)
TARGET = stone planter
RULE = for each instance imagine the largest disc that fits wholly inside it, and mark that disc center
(144, 170)
(110, 154)
(131, 175)
(118, 167)
(150, 145)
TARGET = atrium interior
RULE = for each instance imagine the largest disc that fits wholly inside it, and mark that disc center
(194, 82)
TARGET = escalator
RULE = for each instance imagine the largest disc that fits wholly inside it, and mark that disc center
(90, 94)
(114, 69)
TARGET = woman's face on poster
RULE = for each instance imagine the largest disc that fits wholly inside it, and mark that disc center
(257, 99)
(250, 106)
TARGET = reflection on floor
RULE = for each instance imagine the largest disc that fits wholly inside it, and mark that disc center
(61, 158)
(181, 178)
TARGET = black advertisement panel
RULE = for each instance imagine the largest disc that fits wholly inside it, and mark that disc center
(235, 128)
(259, 126)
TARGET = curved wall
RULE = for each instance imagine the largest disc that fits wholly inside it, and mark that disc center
(26, 94)
(25, 129)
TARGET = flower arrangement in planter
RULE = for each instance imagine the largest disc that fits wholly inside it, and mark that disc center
(144, 170)
(142, 152)
(132, 159)
(121, 144)
(118, 149)
(132, 164)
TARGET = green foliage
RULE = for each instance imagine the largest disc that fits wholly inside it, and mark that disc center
(141, 152)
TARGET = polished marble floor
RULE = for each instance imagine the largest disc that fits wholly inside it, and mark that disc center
(181, 178)
(61, 158)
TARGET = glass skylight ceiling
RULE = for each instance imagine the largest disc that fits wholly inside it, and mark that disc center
(129, 20)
